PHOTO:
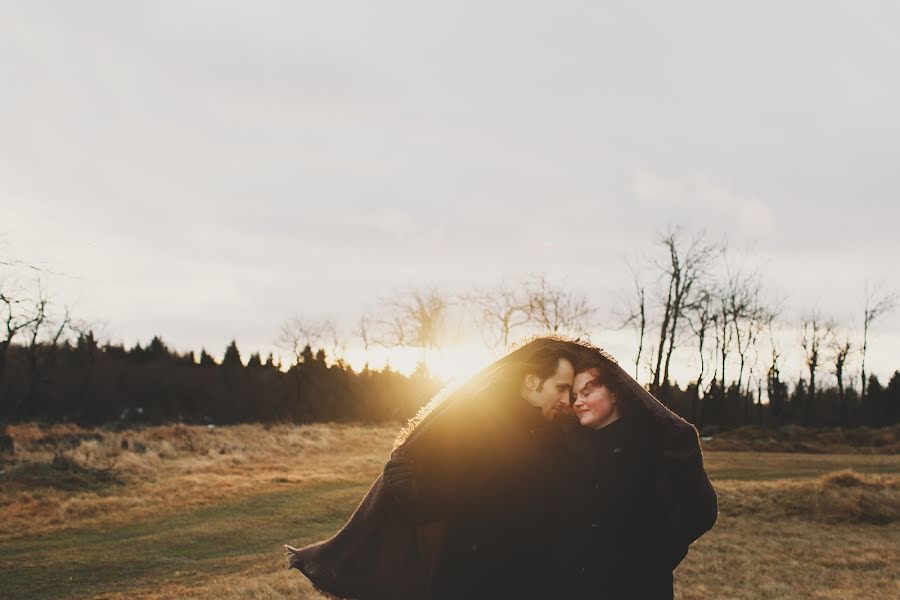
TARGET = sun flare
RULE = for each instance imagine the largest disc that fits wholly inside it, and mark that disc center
(450, 363)
(459, 362)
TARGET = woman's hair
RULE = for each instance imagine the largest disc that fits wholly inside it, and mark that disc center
(591, 358)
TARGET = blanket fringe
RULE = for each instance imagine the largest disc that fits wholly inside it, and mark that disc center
(291, 554)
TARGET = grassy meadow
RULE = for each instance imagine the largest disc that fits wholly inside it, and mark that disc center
(196, 512)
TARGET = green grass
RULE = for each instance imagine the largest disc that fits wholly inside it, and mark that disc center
(193, 547)
(181, 547)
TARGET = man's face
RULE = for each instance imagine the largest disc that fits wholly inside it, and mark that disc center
(552, 392)
(595, 405)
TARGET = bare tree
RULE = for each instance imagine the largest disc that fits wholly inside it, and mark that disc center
(43, 333)
(555, 308)
(500, 311)
(14, 321)
(19, 311)
(364, 333)
(332, 334)
(724, 335)
(747, 316)
(776, 389)
(740, 318)
(877, 304)
(296, 334)
(686, 264)
(840, 347)
(700, 317)
(762, 327)
(815, 331)
(416, 318)
(635, 316)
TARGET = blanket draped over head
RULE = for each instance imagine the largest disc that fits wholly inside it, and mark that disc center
(382, 553)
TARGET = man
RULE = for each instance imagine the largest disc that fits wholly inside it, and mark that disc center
(464, 507)
(490, 484)
(634, 492)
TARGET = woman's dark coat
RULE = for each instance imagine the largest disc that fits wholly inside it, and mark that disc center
(384, 552)
(615, 540)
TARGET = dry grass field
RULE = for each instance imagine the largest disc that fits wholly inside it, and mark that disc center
(197, 512)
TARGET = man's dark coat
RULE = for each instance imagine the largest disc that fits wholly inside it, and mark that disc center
(492, 493)
(385, 553)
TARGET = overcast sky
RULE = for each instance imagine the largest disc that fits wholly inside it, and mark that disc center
(204, 170)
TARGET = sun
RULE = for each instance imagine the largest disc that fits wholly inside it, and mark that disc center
(450, 363)
(458, 362)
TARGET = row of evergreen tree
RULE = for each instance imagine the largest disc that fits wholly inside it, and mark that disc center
(89, 383)
(85, 382)
(724, 407)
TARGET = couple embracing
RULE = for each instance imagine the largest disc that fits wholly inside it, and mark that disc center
(549, 474)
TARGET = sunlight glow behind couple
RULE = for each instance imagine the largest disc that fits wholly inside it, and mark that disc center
(456, 361)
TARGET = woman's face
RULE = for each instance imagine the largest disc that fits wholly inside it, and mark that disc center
(595, 405)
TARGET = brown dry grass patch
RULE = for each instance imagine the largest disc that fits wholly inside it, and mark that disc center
(178, 467)
(840, 497)
(791, 525)
(818, 440)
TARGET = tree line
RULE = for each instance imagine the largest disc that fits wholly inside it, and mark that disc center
(697, 297)
(691, 301)
(86, 382)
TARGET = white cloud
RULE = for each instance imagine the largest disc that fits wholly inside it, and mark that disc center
(299, 156)
(391, 222)
(703, 199)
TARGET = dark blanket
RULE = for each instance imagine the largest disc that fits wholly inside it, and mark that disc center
(383, 553)
(614, 540)
(490, 486)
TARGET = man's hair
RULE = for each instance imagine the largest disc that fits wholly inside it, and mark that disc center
(540, 356)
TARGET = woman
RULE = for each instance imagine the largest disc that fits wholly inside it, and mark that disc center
(634, 492)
